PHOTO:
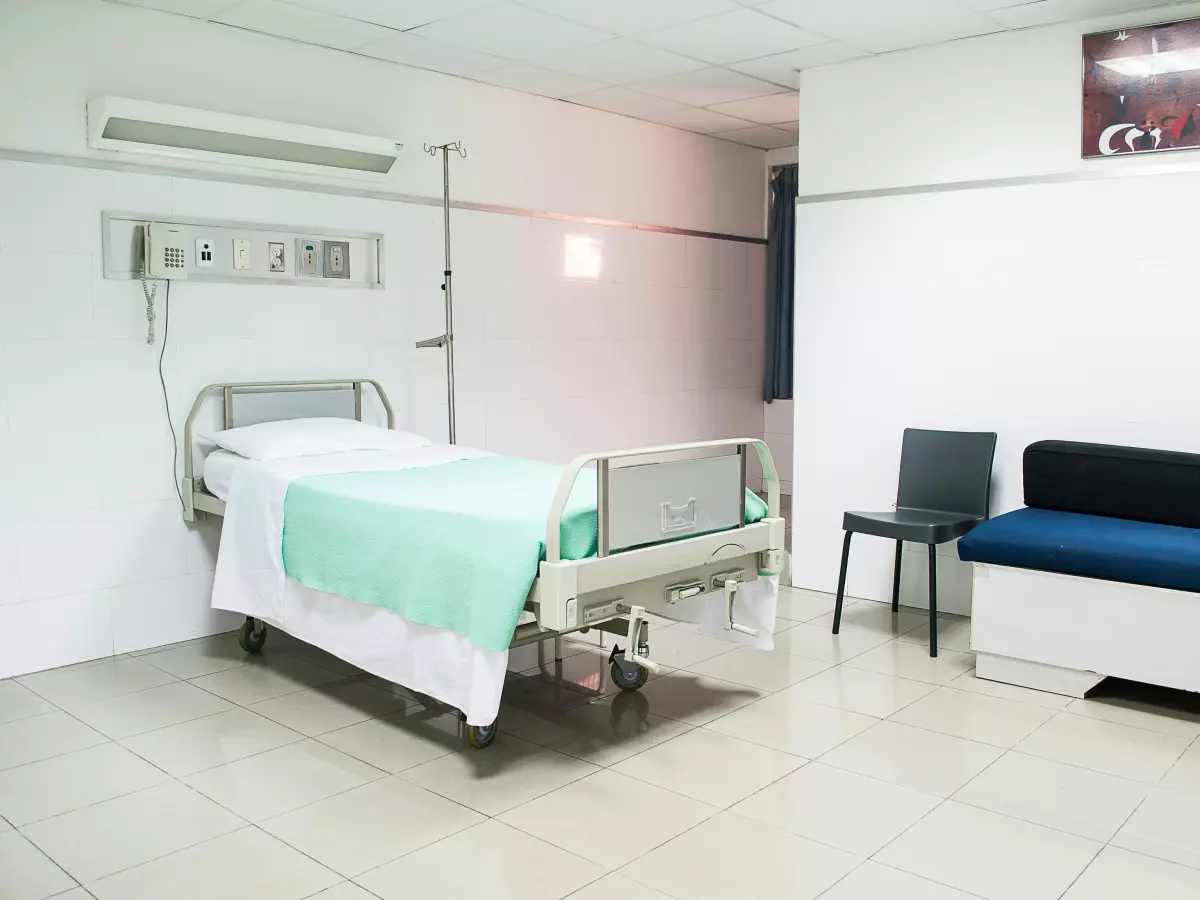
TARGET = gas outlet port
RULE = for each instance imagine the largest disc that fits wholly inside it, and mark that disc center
(337, 259)
(308, 258)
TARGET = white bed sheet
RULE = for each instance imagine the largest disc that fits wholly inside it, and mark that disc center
(250, 579)
(219, 469)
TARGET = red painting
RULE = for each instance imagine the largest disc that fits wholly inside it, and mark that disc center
(1141, 89)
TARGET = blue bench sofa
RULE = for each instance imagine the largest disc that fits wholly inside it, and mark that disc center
(1097, 576)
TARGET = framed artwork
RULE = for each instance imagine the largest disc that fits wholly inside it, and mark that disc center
(1141, 89)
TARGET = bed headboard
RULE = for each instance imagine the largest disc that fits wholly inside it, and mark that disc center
(322, 397)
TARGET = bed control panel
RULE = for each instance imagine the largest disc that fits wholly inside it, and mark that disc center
(207, 250)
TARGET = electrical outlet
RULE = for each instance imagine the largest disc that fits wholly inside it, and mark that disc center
(204, 253)
(308, 258)
(337, 259)
(275, 257)
(241, 253)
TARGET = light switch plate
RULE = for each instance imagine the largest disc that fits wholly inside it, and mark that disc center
(241, 253)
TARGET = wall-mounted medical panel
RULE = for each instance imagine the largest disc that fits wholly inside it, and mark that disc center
(207, 250)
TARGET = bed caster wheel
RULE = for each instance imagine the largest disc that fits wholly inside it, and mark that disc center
(250, 638)
(479, 736)
(628, 680)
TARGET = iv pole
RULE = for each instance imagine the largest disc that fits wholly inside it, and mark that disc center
(446, 340)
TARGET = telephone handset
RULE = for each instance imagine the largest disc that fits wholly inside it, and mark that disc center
(163, 258)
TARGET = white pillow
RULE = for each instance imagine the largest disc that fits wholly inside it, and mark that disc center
(312, 437)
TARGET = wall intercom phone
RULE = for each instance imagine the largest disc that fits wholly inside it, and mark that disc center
(164, 252)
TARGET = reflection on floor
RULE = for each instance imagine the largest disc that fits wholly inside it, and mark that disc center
(847, 768)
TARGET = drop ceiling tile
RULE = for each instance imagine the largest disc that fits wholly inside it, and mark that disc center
(535, 80)
(401, 15)
(782, 67)
(1048, 12)
(704, 121)
(769, 110)
(882, 25)
(631, 16)
(511, 31)
(626, 103)
(619, 61)
(298, 24)
(408, 49)
(729, 37)
(763, 136)
(198, 9)
(706, 87)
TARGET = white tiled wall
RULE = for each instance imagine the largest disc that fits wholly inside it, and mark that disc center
(778, 425)
(94, 557)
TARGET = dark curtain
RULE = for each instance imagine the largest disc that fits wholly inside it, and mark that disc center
(781, 269)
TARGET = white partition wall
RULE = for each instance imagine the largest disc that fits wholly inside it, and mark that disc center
(1044, 309)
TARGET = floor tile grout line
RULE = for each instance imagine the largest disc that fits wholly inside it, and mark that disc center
(59, 706)
(74, 881)
(145, 862)
(1079, 874)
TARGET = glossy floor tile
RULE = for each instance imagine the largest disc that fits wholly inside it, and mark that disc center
(18, 702)
(118, 834)
(770, 863)
(872, 881)
(975, 717)
(44, 736)
(859, 691)
(762, 669)
(198, 772)
(793, 725)
(1167, 826)
(923, 760)
(512, 772)
(1117, 874)
(503, 862)
(210, 741)
(1068, 798)
(843, 809)
(63, 783)
(710, 767)
(978, 851)
(269, 784)
(367, 826)
(1119, 750)
(954, 633)
(26, 873)
(592, 818)
(241, 864)
(75, 686)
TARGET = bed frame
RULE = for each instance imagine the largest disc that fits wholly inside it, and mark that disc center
(685, 517)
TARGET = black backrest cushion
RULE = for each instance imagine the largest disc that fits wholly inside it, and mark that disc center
(1121, 482)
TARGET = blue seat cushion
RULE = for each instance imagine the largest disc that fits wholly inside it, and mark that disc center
(1095, 546)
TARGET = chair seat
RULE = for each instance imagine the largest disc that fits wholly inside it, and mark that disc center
(920, 526)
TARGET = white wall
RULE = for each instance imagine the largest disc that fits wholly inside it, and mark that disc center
(1000, 106)
(94, 557)
(1039, 311)
(524, 151)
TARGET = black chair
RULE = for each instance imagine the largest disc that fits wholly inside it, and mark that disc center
(944, 492)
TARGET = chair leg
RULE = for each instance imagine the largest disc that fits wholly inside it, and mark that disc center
(896, 577)
(933, 600)
(837, 609)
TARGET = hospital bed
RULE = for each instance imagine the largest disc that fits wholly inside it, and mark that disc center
(672, 538)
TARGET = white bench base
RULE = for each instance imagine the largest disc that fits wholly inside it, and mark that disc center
(1065, 633)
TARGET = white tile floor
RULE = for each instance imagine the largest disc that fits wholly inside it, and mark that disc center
(850, 768)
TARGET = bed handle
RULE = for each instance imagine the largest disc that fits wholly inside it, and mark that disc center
(678, 518)
(602, 460)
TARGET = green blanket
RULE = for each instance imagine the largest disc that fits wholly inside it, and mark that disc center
(454, 546)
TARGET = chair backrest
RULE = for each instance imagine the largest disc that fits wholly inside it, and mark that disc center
(950, 471)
